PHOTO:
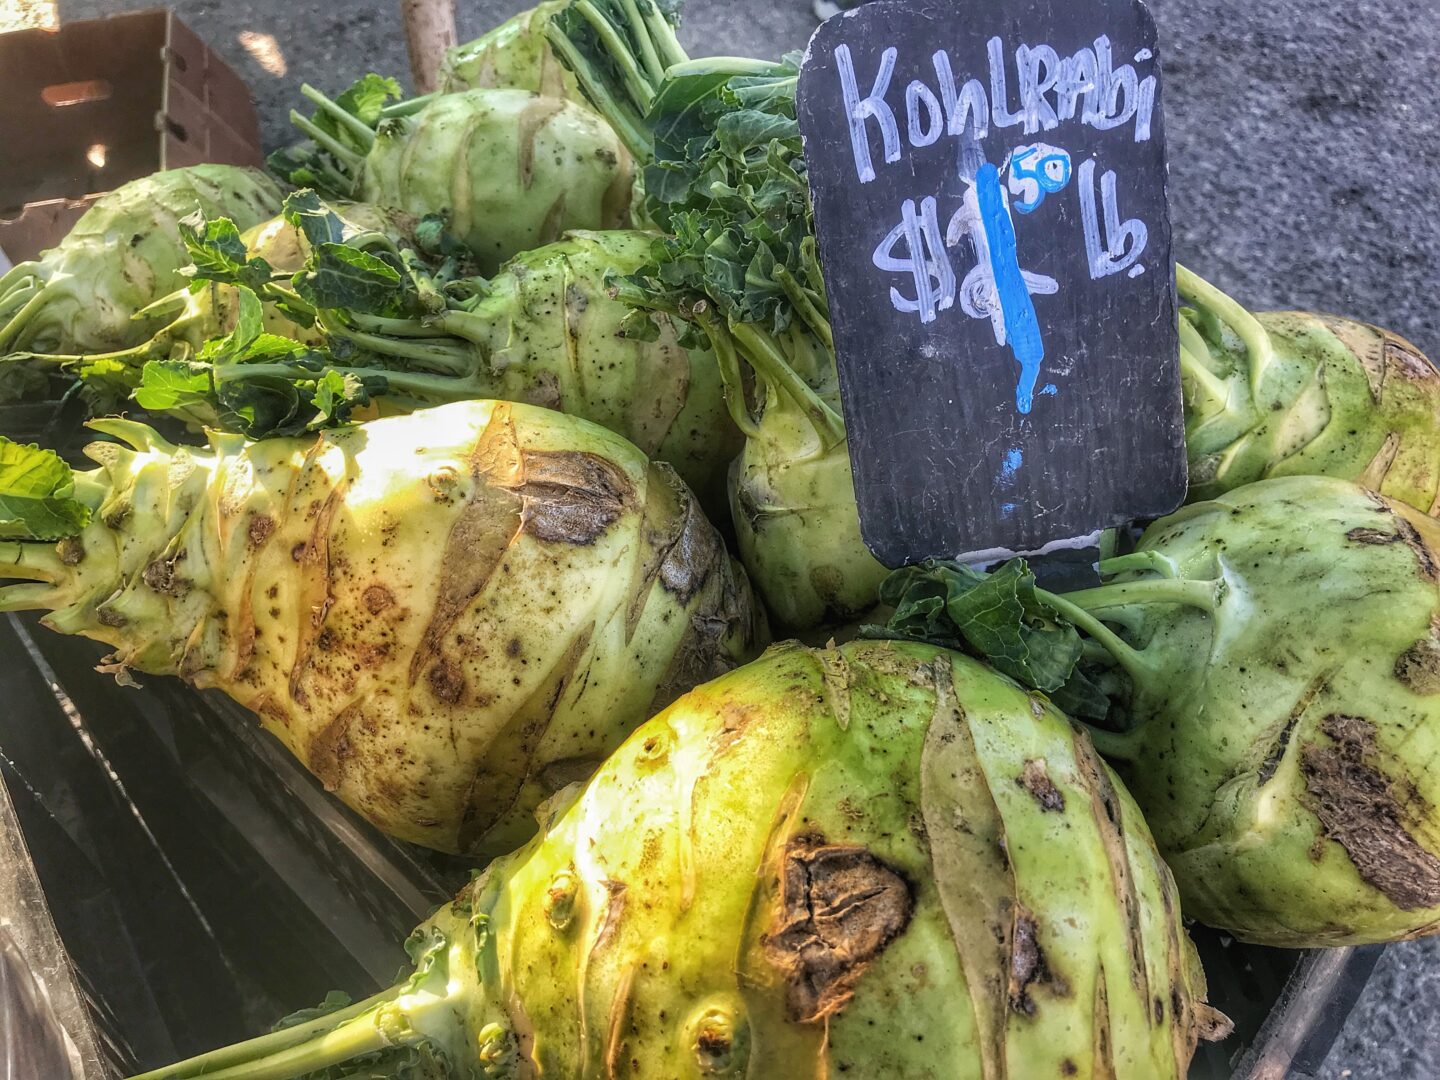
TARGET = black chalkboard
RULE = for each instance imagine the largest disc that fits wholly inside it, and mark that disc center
(1023, 389)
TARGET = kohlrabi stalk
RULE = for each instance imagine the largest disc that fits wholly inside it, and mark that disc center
(514, 55)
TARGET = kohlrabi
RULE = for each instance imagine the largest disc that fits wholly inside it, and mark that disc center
(514, 55)
(878, 861)
(393, 335)
(725, 179)
(209, 308)
(1273, 659)
(1290, 393)
(446, 616)
(123, 254)
(511, 169)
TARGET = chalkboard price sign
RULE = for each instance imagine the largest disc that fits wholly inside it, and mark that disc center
(989, 182)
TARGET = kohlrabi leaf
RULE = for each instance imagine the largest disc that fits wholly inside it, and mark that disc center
(249, 324)
(37, 493)
(1000, 617)
(264, 404)
(334, 1001)
(638, 325)
(338, 276)
(173, 384)
(338, 394)
(368, 96)
(22, 379)
(744, 130)
(429, 950)
(317, 222)
(217, 253)
(307, 166)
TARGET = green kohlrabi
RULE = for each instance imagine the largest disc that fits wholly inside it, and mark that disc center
(123, 254)
(447, 616)
(513, 55)
(725, 179)
(1273, 659)
(1291, 393)
(877, 861)
(210, 308)
(511, 169)
(330, 322)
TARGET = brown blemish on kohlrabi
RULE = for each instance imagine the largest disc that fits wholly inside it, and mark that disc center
(571, 497)
(840, 906)
(1419, 666)
(1028, 968)
(1035, 779)
(1405, 533)
(1359, 810)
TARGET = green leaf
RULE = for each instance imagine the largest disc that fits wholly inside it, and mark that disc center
(368, 96)
(429, 950)
(338, 394)
(249, 324)
(22, 379)
(334, 1001)
(173, 384)
(316, 221)
(217, 253)
(365, 99)
(249, 319)
(260, 406)
(677, 114)
(214, 244)
(738, 133)
(274, 349)
(355, 280)
(1000, 617)
(307, 166)
(638, 325)
(37, 493)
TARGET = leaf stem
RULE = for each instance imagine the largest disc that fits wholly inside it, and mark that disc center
(30, 561)
(1207, 383)
(1134, 663)
(1152, 561)
(1204, 595)
(662, 32)
(17, 297)
(408, 107)
(335, 1047)
(1258, 346)
(449, 359)
(731, 377)
(639, 89)
(764, 354)
(648, 56)
(406, 328)
(352, 123)
(20, 273)
(624, 117)
(32, 596)
(802, 303)
(265, 1045)
(347, 157)
(14, 328)
(1116, 745)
